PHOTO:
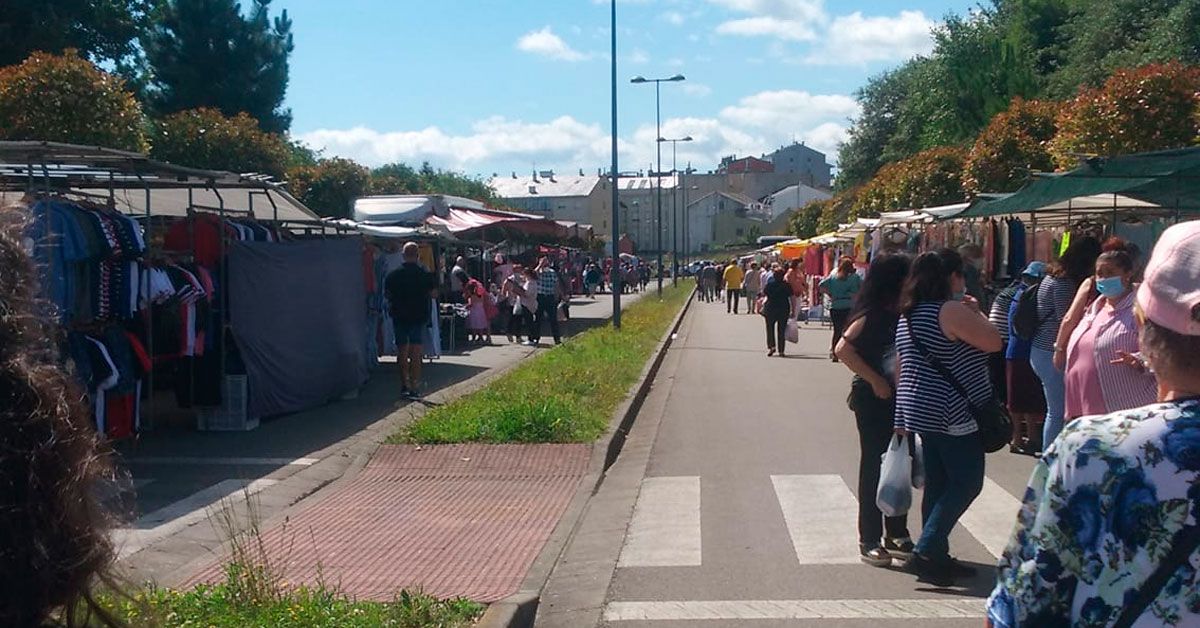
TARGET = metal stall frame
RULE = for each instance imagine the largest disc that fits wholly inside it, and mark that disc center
(78, 170)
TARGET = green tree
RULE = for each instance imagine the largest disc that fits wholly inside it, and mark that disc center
(204, 53)
(1015, 144)
(881, 100)
(103, 31)
(983, 70)
(1101, 37)
(838, 210)
(203, 138)
(1149, 108)
(330, 187)
(805, 221)
(67, 99)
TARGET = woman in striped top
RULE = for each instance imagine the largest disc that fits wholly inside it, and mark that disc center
(941, 321)
(1104, 373)
(1054, 298)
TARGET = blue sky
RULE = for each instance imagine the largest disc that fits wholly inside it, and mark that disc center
(485, 86)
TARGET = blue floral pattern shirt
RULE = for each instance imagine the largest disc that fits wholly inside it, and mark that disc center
(1100, 513)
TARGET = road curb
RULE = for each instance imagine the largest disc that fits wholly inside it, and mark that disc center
(520, 609)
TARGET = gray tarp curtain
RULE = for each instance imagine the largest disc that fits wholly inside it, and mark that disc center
(298, 312)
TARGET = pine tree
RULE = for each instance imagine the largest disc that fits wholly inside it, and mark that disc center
(205, 53)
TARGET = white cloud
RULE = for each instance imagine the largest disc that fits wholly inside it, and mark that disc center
(545, 43)
(789, 109)
(755, 124)
(858, 39)
(696, 89)
(852, 39)
(791, 20)
(639, 57)
(492, 140)
(673, 17)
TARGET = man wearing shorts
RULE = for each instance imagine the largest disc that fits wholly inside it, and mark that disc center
(409, 289)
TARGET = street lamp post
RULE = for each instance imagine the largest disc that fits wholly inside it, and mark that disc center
(658, 172)
(674, 209)
(615, 273)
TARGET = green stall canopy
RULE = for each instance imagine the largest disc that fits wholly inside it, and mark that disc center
(1166, 179)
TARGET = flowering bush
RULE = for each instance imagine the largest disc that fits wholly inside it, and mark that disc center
(204, 138)
(1153, 107)
(1015, 143)
(63, 98)
(330, 187)
(929, 178)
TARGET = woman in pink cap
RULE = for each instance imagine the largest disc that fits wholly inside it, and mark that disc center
(1110, 526)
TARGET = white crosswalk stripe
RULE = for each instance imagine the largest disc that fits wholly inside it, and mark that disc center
(821, 514)
(666, 526)
(793, 609)
(665, 531)
(991, 517)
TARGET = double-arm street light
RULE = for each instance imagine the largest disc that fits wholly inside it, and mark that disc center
(658, 174)
(674, 209)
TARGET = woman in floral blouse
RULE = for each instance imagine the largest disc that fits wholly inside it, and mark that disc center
(1110, 497)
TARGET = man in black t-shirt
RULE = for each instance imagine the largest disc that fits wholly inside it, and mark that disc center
(409, 289)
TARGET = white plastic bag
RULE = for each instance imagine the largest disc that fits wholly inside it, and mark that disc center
(894, 497)
(918, 465)
(792, 332)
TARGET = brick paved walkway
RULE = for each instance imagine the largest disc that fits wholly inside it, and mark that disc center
(454, 520)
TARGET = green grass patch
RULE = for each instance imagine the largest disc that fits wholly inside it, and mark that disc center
(565, 395)
(220, 606)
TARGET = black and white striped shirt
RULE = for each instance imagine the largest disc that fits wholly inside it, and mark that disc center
(925, 402)
(1054, 298)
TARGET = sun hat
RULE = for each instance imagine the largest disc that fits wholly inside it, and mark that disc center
(1035, 269)
(1170, 295)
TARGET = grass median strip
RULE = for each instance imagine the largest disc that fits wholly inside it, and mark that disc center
(565, 395)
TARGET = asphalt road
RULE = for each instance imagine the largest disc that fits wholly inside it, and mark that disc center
(746, 512)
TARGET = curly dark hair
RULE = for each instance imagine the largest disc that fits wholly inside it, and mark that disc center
(54, 544)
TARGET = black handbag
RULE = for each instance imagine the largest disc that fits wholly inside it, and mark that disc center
(992, 417)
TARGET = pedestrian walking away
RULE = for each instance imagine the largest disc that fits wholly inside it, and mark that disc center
(752, 287)
(733, 286)
(868, 350)
(1133, 567)
(409, 290)
(1054, 297)
(939, 320)
(548, 297)
(775, 312)
(840, 287)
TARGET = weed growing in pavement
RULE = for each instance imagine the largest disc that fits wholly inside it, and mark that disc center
(563, 395)
(255, 592)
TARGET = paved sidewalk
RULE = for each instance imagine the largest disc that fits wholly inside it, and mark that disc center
(180, 477)
(734, 503)
(452, 520)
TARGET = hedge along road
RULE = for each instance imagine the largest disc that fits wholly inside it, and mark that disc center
(566, 394)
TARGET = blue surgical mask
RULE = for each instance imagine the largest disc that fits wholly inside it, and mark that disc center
(958, 295)
(1110, 286)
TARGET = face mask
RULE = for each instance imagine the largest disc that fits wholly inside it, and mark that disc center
(958, 295)
(1110, 286)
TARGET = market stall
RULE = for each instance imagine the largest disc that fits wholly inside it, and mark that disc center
(159, 276)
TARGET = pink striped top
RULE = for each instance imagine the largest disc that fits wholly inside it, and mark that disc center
(1093, 384)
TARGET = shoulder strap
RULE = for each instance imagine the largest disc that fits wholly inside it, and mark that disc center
(1186, 542)
(937, 364)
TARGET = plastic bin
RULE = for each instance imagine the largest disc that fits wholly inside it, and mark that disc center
(233, 414)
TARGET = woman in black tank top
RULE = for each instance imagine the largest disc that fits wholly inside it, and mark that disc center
(868, 349)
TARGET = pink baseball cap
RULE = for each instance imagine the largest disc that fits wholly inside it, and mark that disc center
(1170, 295)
